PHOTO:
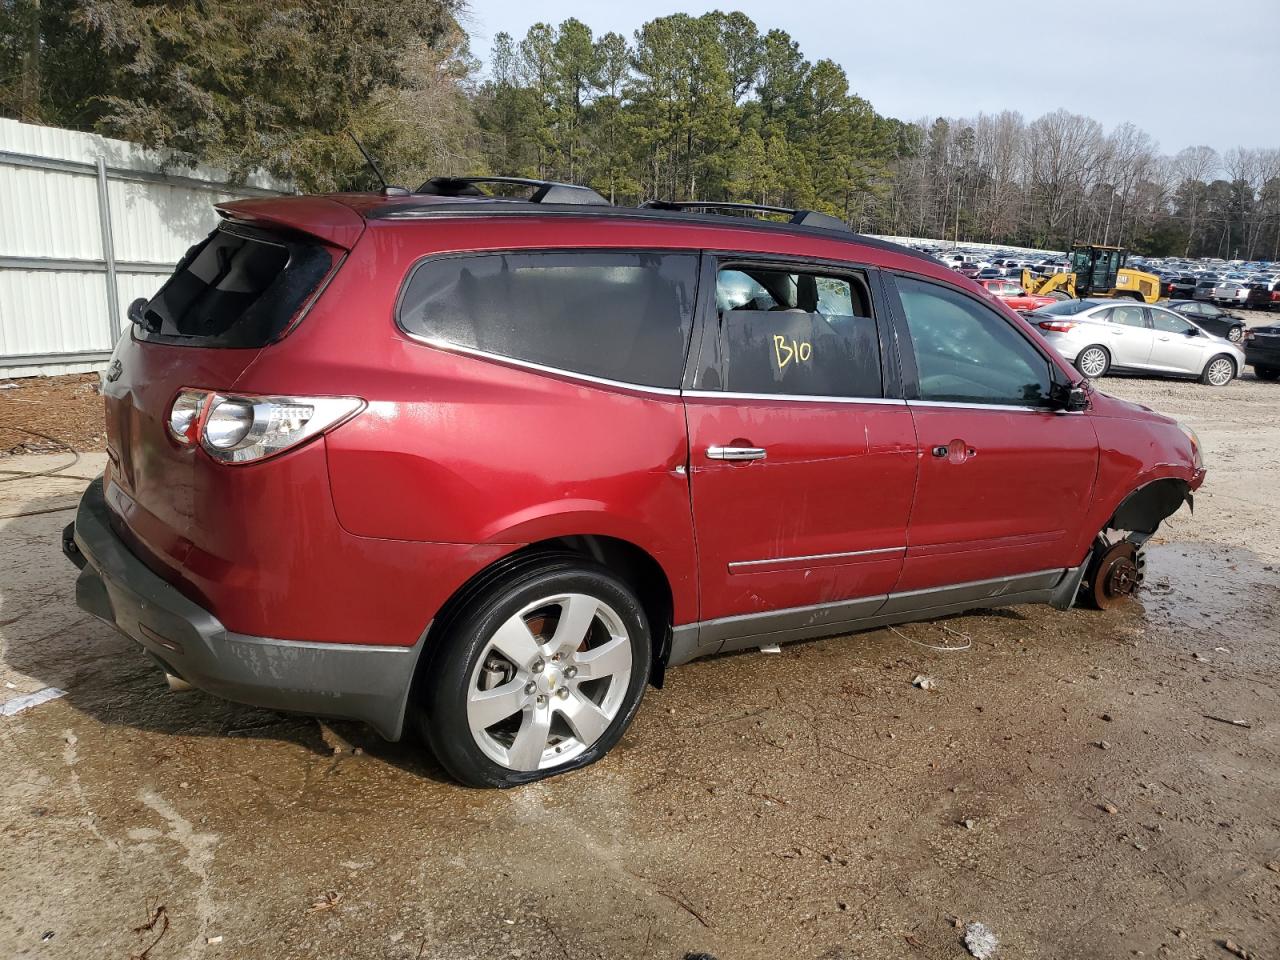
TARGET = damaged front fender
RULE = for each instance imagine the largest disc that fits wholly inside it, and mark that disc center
(1149, 506)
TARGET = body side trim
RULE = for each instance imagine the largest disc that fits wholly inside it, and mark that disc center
(693, 640)
(743, 565)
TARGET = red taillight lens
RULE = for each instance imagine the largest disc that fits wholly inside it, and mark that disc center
(240, 428)
(1056, 326)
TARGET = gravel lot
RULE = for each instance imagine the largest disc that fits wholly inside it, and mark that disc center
(1071, 781)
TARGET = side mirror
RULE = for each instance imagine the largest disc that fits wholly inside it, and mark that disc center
(1068, 397)
(1193, 332)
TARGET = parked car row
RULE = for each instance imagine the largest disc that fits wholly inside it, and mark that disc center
(1252, 285)
(1244, 284)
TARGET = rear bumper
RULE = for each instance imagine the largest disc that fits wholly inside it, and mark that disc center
(349, 681)
(1268, 356)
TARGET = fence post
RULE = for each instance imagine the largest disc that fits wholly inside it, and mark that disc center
(108, 251)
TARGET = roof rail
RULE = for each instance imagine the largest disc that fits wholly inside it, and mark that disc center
(547, 191)
(799, 218)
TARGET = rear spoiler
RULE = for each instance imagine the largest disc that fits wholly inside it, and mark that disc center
(327, 220)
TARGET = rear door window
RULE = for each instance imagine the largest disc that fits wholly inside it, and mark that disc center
(967, 353)
(621, 316)
(798, 332)
(1128, 316)
(242, 287)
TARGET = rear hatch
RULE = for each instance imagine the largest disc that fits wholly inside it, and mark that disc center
(231, 296)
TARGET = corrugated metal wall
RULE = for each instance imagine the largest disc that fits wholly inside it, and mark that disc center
(87, 225)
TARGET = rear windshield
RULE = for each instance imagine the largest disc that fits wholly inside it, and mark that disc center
(241, 287)
(1065, 308)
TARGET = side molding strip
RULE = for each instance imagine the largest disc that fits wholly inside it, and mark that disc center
(694, 640)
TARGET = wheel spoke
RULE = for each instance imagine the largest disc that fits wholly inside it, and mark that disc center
(605, 660)
(487, 707)
(531, 740)
(587, 721)
(514, 641)
(576, 614)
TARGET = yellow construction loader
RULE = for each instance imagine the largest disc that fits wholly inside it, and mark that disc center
(1096, 271)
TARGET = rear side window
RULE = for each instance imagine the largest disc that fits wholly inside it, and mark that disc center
(241, 287)
(967, 353)
(1128, 316)
(617, 315)
(797, 333)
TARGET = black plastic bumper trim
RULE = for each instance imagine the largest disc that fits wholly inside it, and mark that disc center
(344, 680)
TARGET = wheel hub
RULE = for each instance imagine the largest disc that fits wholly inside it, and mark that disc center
(550, 681)
(1123, 578)
(1116, 576)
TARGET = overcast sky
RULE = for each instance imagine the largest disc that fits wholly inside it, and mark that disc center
(1186, 71)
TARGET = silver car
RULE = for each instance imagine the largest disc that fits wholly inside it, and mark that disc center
(1233, 291)
(1102, 335)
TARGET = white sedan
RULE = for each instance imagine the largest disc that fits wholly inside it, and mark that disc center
(1099, 336)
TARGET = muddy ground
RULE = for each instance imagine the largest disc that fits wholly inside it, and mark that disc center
(45, 414)
(1065, 782)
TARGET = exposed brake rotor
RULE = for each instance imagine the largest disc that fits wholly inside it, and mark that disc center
(1116, 574)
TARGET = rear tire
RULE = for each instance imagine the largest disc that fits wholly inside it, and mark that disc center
(1235, 334)
(1219, 371)
(1093, 361)
(549, 660)
(1267, 373)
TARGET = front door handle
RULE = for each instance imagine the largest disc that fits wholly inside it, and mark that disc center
(957, 451)
(735, 453)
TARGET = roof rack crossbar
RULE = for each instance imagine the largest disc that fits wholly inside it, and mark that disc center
(546, 191)
(799, 218)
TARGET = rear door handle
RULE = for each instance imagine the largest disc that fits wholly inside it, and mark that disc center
(959, 454)
(735, 453)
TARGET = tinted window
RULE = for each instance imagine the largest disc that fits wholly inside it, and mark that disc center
(620, 316)
(798, 333)
(1168, 322)
(968, 353)
(239, 288)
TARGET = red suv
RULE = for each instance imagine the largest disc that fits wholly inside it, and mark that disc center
(487, 467)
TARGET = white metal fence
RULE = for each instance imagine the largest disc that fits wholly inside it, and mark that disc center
(87, 225)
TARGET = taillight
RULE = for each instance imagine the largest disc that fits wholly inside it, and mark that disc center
(241, 428)
(1056, 326)
(184, 415)
(1248, 335)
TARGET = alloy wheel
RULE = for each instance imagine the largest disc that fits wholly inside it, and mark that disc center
(1093, 362)
(1220, 372)
(1235, 334)
(550, 682)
